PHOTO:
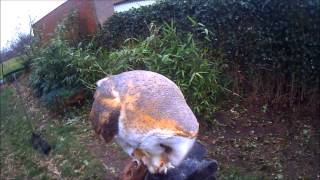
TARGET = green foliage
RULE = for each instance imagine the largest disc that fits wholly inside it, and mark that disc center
(272, 47)
(10, 66)
(69, 158)
(51, 68)
(60, 67)
(64, 65)
(178, 58)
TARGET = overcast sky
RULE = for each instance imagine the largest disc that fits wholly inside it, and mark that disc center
(16, 15)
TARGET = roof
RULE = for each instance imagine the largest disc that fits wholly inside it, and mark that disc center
(63, 4)
(117, 2)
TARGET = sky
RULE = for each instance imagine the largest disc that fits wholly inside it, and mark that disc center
(16, 16)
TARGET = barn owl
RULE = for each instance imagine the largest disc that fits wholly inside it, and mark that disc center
(147, 115)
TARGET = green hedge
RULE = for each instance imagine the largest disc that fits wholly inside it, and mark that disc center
(277, 41)
(60, 69)
(181, 60)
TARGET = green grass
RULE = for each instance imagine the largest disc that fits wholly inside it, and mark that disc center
(69, 159)
(10, 66)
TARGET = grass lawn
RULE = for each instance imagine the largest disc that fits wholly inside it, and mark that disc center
(10, 65)
(68, 159)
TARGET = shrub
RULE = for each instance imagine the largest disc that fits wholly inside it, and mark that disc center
(59, 68)
(272, 47)
(64, 66)
(51, 68)
(178, 58)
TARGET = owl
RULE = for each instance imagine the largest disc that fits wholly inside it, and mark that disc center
(147, 115)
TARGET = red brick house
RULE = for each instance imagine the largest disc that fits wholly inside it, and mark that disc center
(91, 15)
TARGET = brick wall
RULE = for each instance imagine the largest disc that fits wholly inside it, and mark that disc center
(86, 12)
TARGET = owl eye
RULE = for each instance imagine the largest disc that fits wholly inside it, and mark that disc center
(167, 149)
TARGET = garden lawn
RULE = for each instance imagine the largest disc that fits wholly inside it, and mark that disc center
(10, 66)
(68, 159)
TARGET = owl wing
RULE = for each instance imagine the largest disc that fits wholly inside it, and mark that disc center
(105, 112)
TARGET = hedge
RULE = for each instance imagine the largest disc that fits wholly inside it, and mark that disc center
(275, 41)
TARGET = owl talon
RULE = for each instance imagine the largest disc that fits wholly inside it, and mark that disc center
(165, 167)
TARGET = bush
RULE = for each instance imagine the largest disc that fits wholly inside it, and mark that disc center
(60, 66)
(64, 66)
(61, 69)
(272, 47)
(51, 68)
(178, 58)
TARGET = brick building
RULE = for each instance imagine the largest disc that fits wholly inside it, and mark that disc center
(91, 14)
